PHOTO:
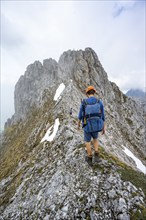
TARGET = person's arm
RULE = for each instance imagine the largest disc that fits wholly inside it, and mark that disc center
(104, 128)
(80, 116)
(103, 117)
(102, 111)
(79, 123)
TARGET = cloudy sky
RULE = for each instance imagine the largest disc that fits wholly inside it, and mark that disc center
(36, 30)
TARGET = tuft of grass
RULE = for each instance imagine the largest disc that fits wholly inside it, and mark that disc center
(129, 121)
(14, 148)
(10, 190)
(136, 178)
(138, 214)
(81, 146)
(127, 173)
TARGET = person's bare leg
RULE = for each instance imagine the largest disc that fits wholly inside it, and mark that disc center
(95, 143)
(88, 147)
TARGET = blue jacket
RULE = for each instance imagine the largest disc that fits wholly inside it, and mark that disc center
(91, 100)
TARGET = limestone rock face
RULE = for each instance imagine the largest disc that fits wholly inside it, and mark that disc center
(29, 88)
(84, 68)
(50, 179)
(136, 93)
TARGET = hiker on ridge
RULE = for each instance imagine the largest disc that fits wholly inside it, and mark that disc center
(70, 112)
(92, 116)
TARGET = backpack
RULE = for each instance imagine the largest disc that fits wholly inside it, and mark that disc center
(92, 120)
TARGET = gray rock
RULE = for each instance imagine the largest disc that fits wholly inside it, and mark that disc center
(112, 194)
(55, 181)
(123, 216)
(29, 89)
(46, 217)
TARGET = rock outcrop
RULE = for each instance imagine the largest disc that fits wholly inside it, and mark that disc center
(50, 179)
(30, 87)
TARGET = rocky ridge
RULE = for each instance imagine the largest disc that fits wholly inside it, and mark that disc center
(50, 180)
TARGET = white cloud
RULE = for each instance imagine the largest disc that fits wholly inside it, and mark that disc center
(128, 80)
(10, 36)
(36, 30)
(122, 6)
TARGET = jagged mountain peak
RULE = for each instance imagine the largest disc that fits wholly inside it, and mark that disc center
(44, 174)
(83, 67)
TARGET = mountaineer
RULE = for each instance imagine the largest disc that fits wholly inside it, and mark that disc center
(70, 112)
(92, 116)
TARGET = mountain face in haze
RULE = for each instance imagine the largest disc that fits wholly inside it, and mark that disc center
(139, 96)
(44, 174)
(137, 93)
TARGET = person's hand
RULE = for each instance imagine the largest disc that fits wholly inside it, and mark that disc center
(103, 130)
(79, 123)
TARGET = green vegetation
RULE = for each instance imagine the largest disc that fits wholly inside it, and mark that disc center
(127, 173)
(9, 191)
(124, 97)
(81, 146)
(136, 178)
(129, 121)
(15, 149)
(139, 180)
(138, 214)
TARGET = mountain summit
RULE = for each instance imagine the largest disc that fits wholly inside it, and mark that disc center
(44, 174)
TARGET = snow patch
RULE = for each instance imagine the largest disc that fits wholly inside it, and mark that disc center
(139, 164)
(59, 91)
(49, 137)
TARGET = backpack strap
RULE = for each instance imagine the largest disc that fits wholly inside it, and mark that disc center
(97, 100)
(84, 102)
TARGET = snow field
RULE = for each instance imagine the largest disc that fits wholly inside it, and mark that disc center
(49, 137)
(139, 164)
(59, 91)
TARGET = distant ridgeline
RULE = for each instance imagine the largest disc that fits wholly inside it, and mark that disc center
(137, 93)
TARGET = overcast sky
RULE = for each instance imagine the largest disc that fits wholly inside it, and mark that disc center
(37, 30)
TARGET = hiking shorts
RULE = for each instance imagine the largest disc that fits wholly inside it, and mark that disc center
(89, 135)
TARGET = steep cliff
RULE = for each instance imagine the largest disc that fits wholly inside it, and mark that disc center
(44, 174)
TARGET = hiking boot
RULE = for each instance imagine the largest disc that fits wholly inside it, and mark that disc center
(96, 157)
(89, 160)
